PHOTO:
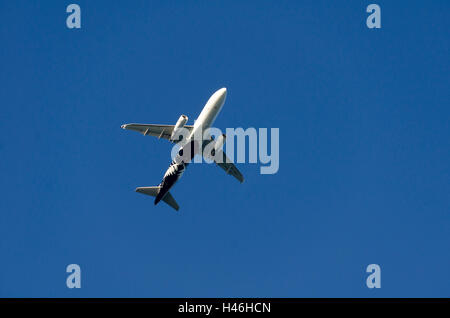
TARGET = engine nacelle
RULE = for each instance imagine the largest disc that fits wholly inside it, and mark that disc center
(178, 126)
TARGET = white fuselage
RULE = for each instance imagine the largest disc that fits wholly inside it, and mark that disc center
(209, 112)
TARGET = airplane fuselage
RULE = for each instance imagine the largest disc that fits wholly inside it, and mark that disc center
(203, 122)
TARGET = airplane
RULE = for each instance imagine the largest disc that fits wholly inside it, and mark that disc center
(189, 147)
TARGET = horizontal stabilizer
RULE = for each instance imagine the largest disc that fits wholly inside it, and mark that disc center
(153, 191)
(168, 198)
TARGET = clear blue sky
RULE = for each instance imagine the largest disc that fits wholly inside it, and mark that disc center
(364, 150)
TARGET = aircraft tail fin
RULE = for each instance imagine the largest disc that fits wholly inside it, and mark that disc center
(153, 191)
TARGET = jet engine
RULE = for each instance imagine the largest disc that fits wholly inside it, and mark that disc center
(178, 126)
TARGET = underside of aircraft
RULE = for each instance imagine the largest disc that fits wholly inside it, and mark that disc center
(181, 161)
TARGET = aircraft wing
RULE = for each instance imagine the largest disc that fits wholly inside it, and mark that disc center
(228, 166)
(160, 131)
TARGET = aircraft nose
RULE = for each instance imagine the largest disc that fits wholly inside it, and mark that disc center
(222, 94)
